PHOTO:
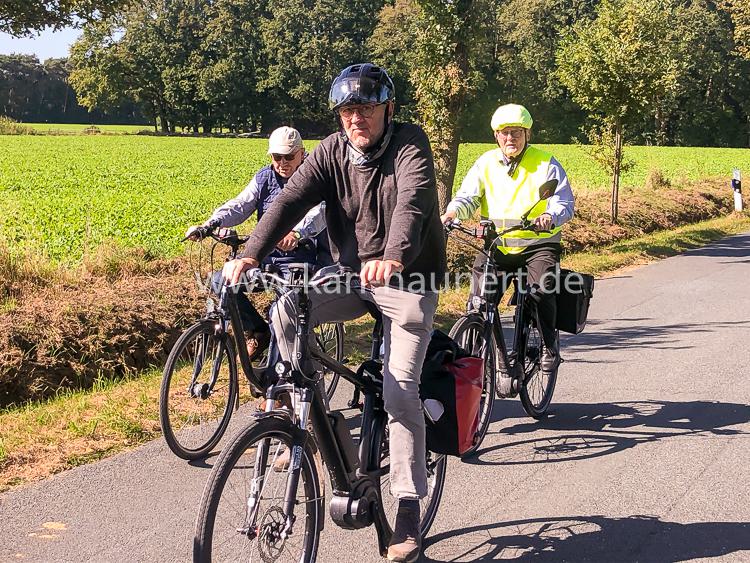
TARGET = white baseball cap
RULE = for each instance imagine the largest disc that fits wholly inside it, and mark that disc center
(284, 140)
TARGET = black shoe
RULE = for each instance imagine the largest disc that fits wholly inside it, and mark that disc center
(550, 360)
(406, 542)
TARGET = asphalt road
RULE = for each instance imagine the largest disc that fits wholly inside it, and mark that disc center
(646, 456)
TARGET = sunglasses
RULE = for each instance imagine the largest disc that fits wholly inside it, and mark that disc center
(285, 157)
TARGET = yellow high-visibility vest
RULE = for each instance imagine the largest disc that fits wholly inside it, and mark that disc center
(506, 198)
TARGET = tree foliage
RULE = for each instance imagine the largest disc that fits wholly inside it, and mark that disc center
(229, 63)
(621, 65)
(23, 17)
(450, 46)
(40, 92)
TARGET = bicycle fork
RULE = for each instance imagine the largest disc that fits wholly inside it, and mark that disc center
(265, 457)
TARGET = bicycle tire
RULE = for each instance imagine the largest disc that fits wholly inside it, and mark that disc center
(535, 392)
(330, 338)
(187, 436)
(222, 518)
(436, 465)
(469, 333)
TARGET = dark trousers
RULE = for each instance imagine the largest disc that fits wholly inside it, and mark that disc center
(252, 321)
(537, 268)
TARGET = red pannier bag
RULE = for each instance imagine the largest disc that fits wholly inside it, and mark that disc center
(451, 390)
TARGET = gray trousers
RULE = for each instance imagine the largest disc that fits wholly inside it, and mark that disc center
(407, 322)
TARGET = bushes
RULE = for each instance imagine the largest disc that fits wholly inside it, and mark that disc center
(9, 126)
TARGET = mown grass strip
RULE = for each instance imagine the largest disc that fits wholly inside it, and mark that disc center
(655, 246)
(77, 427)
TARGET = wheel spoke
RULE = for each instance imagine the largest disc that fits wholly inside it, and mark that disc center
(244, 501)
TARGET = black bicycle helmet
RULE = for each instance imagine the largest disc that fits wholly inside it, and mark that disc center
(363, 83)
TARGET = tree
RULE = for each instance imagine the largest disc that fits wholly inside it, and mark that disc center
(23, 17)
(124, 58)
(739, 98)
(618, 66)
(232, 59)
(304, 54)
(739, 11)
(450, 45)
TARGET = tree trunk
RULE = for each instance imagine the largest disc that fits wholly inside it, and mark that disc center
(445, 153)
(65, 103)
(164, 121)
(616, 170)
(442, 123)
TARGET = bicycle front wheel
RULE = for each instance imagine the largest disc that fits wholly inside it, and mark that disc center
(537, 387)
(388, 504)
(242, 514)
(198, 391)
(469, 332)
(330, 339)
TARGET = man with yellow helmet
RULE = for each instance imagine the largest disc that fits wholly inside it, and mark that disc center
(503, 184)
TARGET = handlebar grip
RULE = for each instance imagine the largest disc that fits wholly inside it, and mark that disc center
(203, 231)
(306, 243)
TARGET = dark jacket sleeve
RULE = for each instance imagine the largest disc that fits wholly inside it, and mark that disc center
(304, 190)
(416, 200)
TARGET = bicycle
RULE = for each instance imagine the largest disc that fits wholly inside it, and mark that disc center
(200, 385)
(253, 510)
(480, 332)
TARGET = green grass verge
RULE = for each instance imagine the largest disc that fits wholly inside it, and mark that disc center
(657, 245)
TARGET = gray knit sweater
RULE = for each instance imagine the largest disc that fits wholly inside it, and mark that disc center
(383, 210)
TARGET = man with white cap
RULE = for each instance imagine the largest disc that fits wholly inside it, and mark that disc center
(287, 153)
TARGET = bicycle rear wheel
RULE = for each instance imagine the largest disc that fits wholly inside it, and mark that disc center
(469, 333)
(537, 388)
(388, 504)
(194, 414)
(330, 338)
(242, 516)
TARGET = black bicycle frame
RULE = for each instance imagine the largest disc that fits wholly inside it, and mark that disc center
(489, 308)
(352, 479)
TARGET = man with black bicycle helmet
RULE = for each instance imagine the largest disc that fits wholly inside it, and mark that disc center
(503, 184)
(377, 180)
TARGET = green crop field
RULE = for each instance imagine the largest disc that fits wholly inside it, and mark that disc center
(65, 195)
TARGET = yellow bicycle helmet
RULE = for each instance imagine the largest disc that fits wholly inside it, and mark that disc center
(511, 115)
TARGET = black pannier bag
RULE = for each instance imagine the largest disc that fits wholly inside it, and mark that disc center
(451, 391)
(573, 299)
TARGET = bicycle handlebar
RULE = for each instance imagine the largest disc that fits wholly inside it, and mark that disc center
(342, 277)
(488, 233)
(488, 227)
(230, 237)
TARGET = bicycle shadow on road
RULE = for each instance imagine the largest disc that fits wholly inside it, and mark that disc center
(591, 538)
(631, 334)
(583, 431)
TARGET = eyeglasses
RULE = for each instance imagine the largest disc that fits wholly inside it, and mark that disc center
(513, 133)
(285, 157)
(347, 112)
